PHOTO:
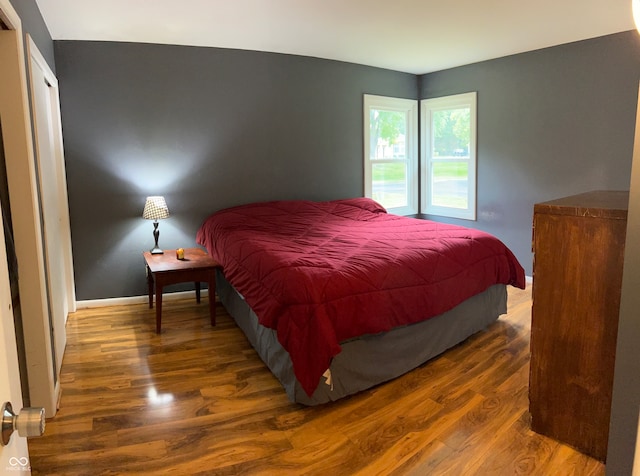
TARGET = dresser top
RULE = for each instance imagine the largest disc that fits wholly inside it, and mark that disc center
(599, 203)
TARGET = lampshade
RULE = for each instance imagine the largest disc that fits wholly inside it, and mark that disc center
(155, 208)
(636, 13)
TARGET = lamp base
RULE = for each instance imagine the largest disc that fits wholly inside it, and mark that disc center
(156, 233)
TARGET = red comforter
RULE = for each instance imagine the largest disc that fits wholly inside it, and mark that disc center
(324, 272)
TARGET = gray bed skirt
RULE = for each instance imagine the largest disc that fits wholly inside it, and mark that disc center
(371, 359)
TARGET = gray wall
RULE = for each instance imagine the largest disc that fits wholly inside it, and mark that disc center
(207, 128)
(551, 123)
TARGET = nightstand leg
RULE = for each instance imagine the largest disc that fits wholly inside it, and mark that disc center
(197, 283)
(158, 308)
(150, 284)
(212, 298)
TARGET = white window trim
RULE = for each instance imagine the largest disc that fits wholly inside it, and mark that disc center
(410, 108)
(427, 106)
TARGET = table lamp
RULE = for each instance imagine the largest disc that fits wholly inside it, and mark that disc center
(155, 208)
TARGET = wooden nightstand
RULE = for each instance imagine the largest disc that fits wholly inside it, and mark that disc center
(164, 269)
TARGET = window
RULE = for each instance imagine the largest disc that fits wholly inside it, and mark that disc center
(448, 136)
(391, 153)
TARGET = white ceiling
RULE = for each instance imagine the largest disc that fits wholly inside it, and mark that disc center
(416, 36)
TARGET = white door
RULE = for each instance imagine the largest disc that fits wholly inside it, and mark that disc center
(14, 456)
(53, 197)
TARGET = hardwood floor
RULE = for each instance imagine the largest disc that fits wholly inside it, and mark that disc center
(198, 400)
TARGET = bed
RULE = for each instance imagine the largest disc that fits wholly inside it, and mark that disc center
(339, 296)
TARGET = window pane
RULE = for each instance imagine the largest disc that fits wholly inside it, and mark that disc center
(390, 184)
(451, 132)
(391, 158)
(387, 134)
(449, 184)
(449, 155)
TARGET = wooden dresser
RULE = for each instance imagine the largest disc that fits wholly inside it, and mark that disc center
(578, 245)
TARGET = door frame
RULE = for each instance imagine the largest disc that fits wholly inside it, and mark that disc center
(44, 387)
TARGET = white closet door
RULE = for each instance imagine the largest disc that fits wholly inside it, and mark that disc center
(53, 199)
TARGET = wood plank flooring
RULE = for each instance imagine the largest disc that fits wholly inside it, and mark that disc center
(198, 400)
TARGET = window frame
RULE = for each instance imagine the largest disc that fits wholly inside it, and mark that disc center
(427, 107)
(410, 108)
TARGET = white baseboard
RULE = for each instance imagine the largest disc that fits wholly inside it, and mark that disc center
(528, 279)
(122, 301)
